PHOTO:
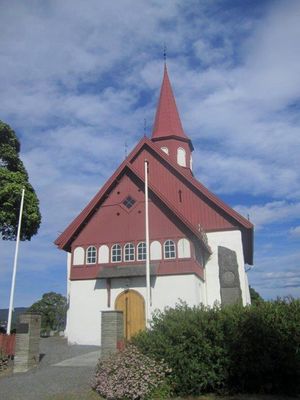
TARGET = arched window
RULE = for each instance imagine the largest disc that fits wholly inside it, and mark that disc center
(181, 159)
(141, 251)
(191, 162)
(116, 253)
(103, 255)
(155, 250)
(184, 248)
(129, 252)
(78, 256)
(169, 249)
(91, 255)
(165, 149)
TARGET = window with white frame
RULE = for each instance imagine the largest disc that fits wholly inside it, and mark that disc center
(181, 157)
(116, 253)
(165, 149)
(141, 251)
(91, 255)
(129, 252)
(169, 249)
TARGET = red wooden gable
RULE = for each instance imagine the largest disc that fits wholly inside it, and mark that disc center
(180, 195)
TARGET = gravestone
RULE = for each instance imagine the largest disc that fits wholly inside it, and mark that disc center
(27, 353)
(112, 332)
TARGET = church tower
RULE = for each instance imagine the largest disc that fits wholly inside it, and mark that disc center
(167, 130)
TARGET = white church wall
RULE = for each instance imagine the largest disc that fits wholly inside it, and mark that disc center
(165, 290)
(233, 241)
(170, 289)
(69, 262)
(84, 317)
(247, 291)
(89, 297)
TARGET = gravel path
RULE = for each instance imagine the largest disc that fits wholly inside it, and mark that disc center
(62, 369)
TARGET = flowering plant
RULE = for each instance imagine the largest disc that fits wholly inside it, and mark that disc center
(131, 375)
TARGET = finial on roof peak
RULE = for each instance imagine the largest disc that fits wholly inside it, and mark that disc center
(165, 53)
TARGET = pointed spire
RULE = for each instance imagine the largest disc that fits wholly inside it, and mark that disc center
(167, 120)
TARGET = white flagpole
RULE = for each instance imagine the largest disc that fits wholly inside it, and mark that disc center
(11, 301)
(147, 248)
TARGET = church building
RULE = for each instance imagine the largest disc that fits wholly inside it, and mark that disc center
(198, 245)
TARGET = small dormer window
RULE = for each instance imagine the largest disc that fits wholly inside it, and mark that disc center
(165, 149)
(128, 202)
(181, 157)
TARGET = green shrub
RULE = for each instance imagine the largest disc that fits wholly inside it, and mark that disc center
(265, 349)
(129, 374)
(191, 340)
(230, 349)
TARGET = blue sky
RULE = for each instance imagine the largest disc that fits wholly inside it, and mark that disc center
(78, 78)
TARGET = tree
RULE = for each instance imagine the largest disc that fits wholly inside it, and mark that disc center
(53, 308)
(13, 177)
(255, 296)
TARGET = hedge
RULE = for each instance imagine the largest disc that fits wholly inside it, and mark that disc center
(232, 349)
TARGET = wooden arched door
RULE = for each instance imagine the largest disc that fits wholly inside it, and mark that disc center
(133, 306)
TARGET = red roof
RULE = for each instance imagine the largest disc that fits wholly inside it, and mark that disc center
(167, 121)
(198, 210)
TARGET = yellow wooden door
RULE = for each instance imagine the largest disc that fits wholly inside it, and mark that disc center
(133, 306)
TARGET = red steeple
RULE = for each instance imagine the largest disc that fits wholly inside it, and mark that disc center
(167, 120)
(167, 130)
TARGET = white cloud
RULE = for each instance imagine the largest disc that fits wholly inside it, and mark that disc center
(273, 58)
(295, 231)
(276, 275)
(213, 55)
(276, 211)
(243, 174)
